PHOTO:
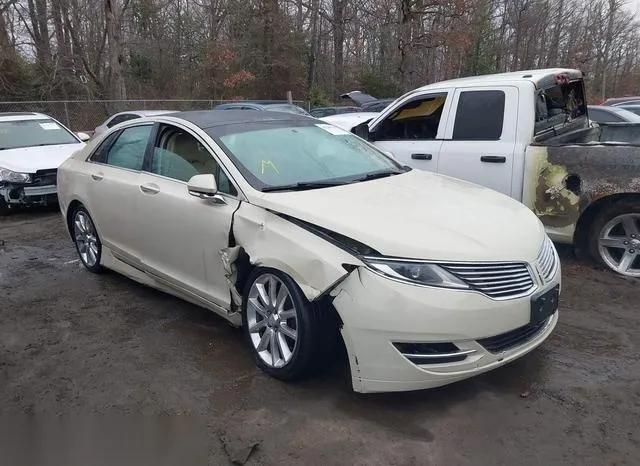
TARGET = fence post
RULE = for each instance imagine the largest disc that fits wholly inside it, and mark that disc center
(289, 97)
(66, 114)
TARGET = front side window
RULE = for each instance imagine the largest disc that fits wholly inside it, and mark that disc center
(128, 150)
(278, 154)
(418, 119)
(480, 116)
(180, 156)
(31, 133)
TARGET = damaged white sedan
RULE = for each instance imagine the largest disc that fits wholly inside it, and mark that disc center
(32, 146)
(302, 232)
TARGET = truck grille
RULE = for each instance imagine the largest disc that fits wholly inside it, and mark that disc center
(547, 260)
(45, 178)
(498, 280)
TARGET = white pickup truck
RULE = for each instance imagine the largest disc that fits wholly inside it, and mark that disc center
(526, 134)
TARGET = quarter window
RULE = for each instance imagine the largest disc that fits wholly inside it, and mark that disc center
(480, 116)
(180, 156)
(128, 150)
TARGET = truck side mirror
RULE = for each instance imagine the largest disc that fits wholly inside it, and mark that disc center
(362, 130)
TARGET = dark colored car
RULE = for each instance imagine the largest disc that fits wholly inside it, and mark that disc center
(621, 100)
(610, 114)
(631, 107)
(320, 112)
(271, 107)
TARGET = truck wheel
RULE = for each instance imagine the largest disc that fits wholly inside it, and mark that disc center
(614, 238)
(283, 330)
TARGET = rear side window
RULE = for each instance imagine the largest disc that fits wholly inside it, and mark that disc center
(480, 116)
(128, 150)
(604, 116)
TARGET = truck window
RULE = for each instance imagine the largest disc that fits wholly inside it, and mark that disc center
(480, 116)
(417, 120)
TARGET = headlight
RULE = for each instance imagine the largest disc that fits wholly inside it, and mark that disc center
(415, 272)
(14, 177)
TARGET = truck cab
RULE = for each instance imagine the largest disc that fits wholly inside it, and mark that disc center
(527, 135)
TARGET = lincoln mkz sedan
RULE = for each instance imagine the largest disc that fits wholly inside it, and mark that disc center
(302, 233)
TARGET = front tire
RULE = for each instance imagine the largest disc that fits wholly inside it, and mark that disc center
(614, 238)
(283, 331)
(87, 240)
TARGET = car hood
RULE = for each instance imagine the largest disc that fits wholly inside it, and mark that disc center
(419, 215)
(347, 121)
(32, 159)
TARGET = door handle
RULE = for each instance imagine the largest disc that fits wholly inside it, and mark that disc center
(421, 156)
(493, 159)
(97, 176)
(149, 189)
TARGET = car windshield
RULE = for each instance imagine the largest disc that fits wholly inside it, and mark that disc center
(287, 108)
(31, 133)
(285, 155)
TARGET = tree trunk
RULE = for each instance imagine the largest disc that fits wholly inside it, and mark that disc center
(113, 17)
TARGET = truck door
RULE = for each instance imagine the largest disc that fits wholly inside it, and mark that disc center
(413, 130)
(480, 137)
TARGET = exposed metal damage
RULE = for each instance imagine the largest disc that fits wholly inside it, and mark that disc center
(562, 181)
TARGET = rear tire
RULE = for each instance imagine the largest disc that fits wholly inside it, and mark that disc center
(86, 238)
(614, 238)
(276, 314)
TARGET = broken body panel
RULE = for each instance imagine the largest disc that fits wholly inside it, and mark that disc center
(567, 175)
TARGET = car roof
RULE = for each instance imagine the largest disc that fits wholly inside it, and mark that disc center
(540, 78)
(208, 119)
(616, 110)
(145, 112)
(17, 116)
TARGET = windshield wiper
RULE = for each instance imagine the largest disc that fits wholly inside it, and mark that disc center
(377, 175)
(303, 186)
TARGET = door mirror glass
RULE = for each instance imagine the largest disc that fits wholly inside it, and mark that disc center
(362, 130)
(202, 186)
(83, 136)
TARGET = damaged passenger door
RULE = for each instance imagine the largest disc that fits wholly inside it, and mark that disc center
(181, 235)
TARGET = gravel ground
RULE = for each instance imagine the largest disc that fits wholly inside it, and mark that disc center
(73, 343)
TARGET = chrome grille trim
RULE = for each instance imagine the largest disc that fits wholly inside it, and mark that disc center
(497, 280)
(547, 260)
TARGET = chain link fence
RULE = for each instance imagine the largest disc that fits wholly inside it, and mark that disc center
(85, 115)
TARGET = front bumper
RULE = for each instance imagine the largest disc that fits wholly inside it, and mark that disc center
(42, 191)
(377, 312)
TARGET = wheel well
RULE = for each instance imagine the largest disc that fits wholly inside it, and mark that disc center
(581, 234)
(70, 211)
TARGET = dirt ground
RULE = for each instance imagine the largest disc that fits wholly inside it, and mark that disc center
(73, 343)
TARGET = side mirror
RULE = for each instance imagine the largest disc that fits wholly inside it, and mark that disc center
(389, 154)
(83, 136)
(362, 130)
(203, 186)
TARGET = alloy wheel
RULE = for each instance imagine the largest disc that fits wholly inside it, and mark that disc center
(619, 244)
(272, 320)
(86, 238)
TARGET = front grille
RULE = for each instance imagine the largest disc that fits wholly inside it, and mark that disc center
(547, 260)
(517, 337)
(45, 178)
(499, 280)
